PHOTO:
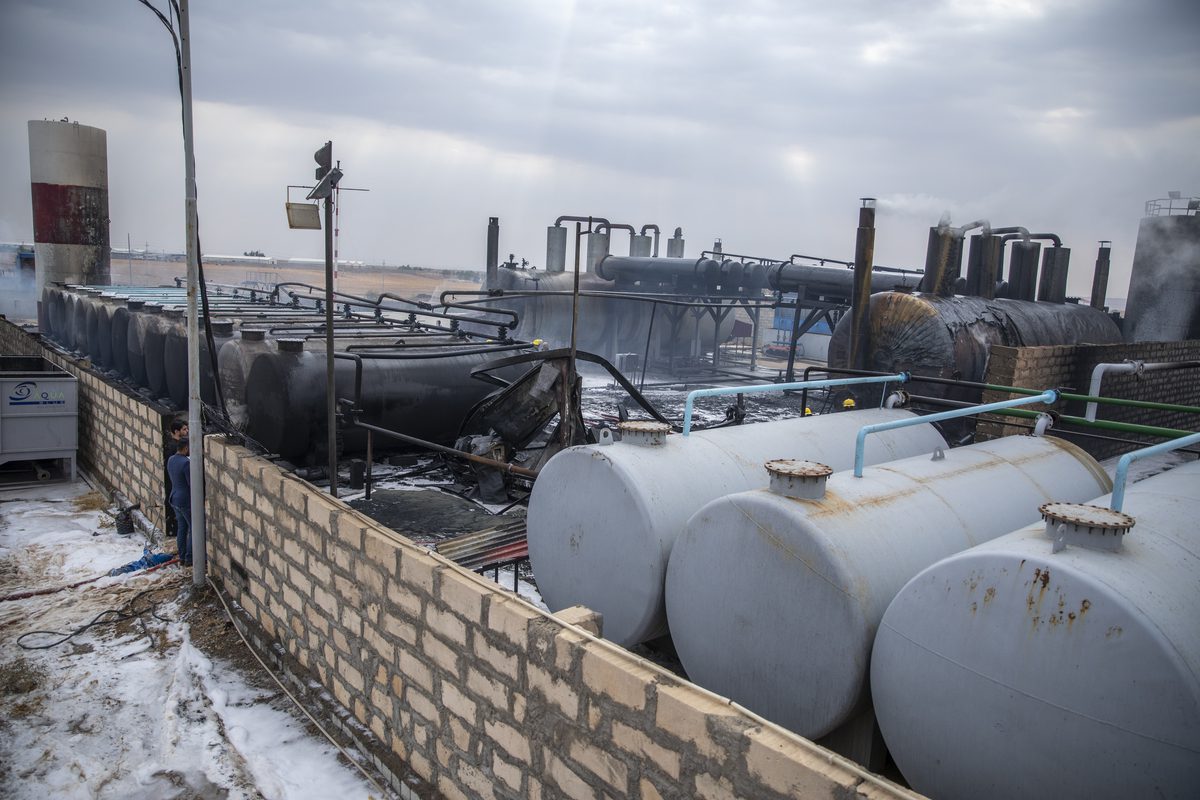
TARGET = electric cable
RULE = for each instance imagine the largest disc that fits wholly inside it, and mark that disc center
(108, 616)
(370, 779)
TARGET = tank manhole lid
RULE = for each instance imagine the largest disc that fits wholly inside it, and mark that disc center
(253, 334)
(798, 479)
(1087, 516)
(290, 345)
(1092, 527)
(797, 468)
(644, 432)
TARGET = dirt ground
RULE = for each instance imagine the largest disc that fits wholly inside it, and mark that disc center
(404, 282)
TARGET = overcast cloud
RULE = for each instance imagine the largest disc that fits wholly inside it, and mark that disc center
(759, 122)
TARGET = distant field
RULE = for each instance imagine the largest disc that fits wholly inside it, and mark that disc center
(405, 282)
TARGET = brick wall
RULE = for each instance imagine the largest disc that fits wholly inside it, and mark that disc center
(1071, 366)
(476, 691)
(121, 435)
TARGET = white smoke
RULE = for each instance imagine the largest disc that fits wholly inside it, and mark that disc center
(18, 290)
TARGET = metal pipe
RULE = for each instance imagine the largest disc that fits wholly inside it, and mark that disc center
(652, 227)
(1122, 476)
(1049, 397)
(450, 451)
(330, 388)
(1125, 368)
(195, 420)
(589, 220)
(1015, 230)
(763, 388)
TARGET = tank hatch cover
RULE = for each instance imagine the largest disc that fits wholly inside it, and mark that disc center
(798, 479)
(1085, 525)
(644, 432)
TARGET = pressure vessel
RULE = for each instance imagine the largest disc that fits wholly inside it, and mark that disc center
(119, 340)
(927, 334)
(602, 519)
(425, 397)
(233, 364)
(135, 344)
(106, 306)
(773, 598)
(1061, 660)
(154, 343)
(175, 359)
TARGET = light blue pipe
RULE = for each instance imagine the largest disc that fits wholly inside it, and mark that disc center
(1118, 492)
(1048, 397)
(760, 388)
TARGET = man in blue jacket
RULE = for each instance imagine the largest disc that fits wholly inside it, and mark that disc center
(179, 468)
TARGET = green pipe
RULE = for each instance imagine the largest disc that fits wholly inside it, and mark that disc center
(1103, 424)
(1086, 398)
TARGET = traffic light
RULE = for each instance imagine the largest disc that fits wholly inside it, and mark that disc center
(324, 158)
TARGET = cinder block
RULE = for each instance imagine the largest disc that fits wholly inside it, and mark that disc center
(582, 617)
(565, 778)
(616, 676)
(684, 713)
(639, 744)
(511, 740)
(602, 764)
(557, 692)
(793, 767)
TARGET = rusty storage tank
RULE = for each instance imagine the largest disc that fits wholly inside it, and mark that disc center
(68, 173)
(1023, 667)
(175, 355)
(159, 320)
(774, 595)
(602, 519)
(107, 305)
(233, 364)
(140, 321)
(1164, 285)
(927, 334)
(120, 336)
(95, 306)
(422, 396)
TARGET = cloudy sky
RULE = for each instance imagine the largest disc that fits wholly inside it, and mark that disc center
(757, 122)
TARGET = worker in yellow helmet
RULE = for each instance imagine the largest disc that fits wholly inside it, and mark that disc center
(848, 404)
(807, 411)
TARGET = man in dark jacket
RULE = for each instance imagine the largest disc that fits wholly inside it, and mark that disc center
(179, 468)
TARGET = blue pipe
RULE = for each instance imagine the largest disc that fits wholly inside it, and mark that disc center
(759, 388)
(1118, 493)
(1048, 397)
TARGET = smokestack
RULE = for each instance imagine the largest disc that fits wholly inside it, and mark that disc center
(1052, 287)
(597, 249)
(983, 265)
(943, 261)
(1023, 270)
(68, 173)
(675, 244)
(493, 253)
(556, 248)
(1100, 279)
(864, 258)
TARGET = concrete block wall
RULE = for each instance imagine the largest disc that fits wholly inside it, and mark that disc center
(121, 435)
(1071, 366)
(476, 691)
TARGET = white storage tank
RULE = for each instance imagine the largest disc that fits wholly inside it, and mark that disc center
(774, 596)
(1012, 670)
(602, 519)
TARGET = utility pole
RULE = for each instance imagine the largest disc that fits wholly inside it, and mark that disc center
(195, 422)
(327, 179)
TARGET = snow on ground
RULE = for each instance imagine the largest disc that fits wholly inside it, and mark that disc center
(132, 710)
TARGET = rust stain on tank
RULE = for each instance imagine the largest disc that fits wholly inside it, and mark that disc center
(1084, 606)
(974, 608)
(1115, 630)
(1021, 565)
(989, 594)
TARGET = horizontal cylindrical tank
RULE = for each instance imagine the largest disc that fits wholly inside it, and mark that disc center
(832, 281)
(952, 336)
(153, 335)
(175, 359)
(233, 364)
(427, 397)
(1012, 670)
(773, 601)
(602, 520)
